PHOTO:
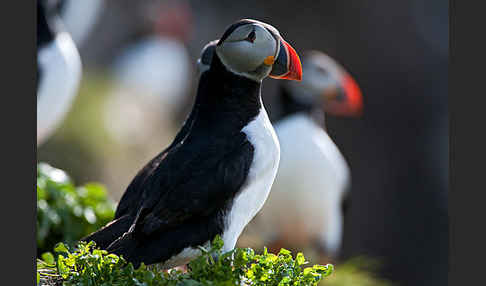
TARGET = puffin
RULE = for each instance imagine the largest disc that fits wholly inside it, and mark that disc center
(58, 70)
(218, 171)
(313, 179)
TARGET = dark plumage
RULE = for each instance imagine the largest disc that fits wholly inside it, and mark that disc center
(173, 193)
(45, 31)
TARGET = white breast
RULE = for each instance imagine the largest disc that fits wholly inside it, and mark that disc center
(311, 181)
(183, 257)
(262, 173)
(255, 191)
(58, 86)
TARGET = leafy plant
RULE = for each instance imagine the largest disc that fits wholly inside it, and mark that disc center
(67, 213)
(88, 265)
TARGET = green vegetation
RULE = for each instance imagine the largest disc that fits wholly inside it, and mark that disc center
(88, 265)
(67, 213)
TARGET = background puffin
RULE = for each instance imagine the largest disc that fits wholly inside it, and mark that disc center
(58, 70)
(152, 78)
(313, 178)
(217, 173)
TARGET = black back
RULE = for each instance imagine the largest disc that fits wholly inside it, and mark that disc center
(289, 105)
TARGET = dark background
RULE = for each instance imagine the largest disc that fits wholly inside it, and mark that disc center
(398, 150)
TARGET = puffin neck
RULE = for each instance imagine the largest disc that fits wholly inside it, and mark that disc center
(220, 91)
(290, 106)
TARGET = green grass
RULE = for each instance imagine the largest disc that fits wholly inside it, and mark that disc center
(87, 265)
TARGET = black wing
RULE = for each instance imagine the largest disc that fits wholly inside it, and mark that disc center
(188, 185)
(133, 191)
(182, 197)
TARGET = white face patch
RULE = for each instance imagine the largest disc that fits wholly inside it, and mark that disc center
(245, 57)
(262, 173)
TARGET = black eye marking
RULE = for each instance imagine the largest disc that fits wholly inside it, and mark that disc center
(232, 28)
(251, 37)
(322, 70)
(341, 95)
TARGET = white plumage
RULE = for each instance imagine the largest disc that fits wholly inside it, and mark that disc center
(305, 206)
(262, 173)
(253, 194)
(310, 184)
(152, 79)
(61, 74)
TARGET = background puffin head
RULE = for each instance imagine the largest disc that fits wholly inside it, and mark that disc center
(327, 86)
(204, 61)
(254, 50)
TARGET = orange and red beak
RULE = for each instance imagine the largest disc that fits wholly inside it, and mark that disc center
(349, 101)
(287, 65)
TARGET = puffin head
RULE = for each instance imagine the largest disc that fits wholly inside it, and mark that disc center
(254, 50)
(327, 85)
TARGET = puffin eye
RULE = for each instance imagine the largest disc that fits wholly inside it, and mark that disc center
(322, 70)
(251, 37)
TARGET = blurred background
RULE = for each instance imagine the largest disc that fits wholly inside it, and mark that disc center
(140, 76)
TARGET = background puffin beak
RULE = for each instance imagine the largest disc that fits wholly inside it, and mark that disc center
(287, 65)
(349, 101)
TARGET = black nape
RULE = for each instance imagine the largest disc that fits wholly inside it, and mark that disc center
(289, 105)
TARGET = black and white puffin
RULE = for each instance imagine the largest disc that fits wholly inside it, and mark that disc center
(217, 173)
(58, 70)
(313, 178)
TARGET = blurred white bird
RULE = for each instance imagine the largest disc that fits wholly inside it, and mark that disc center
(152, 83)
(58, 70)
(306, 201)
(152, 77)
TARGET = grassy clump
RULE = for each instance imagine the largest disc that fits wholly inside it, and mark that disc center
(88, 265)
(65, 212)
